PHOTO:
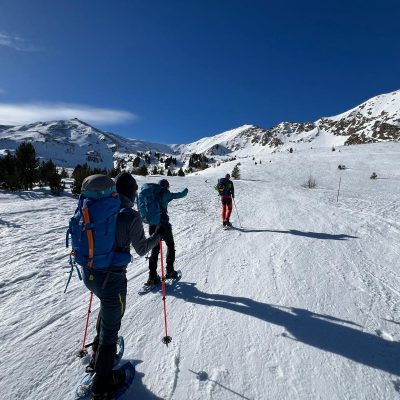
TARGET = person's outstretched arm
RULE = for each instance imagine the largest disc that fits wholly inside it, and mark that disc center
(140, 243)
(178, 195)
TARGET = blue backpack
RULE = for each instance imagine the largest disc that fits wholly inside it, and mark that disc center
(93, 229)
(149, 203)
(222, 187)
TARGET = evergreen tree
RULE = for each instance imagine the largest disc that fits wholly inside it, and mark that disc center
(26, 156)
(64, 173)
(136, 162)
(56, 184)
(10, 173)
(169, 173)
(144, 171)
(154, 171)
(79, 174)
(199, 161)
(235, 172)
(45, 171)
(115, 172)
(180, 172)
(141, 171)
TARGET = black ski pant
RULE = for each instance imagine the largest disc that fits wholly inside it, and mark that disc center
(110, 287)
(168, 237)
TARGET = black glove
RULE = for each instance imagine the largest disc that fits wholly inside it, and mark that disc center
(160, 230)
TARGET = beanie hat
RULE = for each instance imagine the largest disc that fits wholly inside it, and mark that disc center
(126, 185)
(164, 184)
(97, 186)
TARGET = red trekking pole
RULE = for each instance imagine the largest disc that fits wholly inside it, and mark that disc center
(83, 351)
(166, 339)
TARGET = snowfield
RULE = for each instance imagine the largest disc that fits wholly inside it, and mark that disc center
(300, 301)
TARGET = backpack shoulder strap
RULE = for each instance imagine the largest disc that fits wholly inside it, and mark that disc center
(126, 210)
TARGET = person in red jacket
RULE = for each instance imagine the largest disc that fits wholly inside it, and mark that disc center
(227, 192)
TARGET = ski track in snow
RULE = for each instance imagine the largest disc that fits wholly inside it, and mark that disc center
(302, 302)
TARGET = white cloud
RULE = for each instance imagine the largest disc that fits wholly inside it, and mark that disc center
(25, 113)
(15, 42)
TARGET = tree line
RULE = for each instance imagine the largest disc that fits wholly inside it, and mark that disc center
(23, 171)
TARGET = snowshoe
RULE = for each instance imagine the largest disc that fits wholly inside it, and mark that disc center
(171, 279)
(151, 284)
(123, 378)
(156, 280)
(172, 274)
(118, 356)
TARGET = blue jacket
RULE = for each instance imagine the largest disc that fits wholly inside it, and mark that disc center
(166, 197)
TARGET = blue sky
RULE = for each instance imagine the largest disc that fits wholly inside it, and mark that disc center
(175, 71)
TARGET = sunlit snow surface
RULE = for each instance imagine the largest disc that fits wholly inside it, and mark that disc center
(300, 303)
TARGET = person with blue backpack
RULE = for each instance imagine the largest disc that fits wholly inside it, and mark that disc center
(102, 231)
(226, 191)
(153, 206)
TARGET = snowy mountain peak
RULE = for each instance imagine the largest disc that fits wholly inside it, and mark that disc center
(386, 106)
(377, 119)
(69, 142)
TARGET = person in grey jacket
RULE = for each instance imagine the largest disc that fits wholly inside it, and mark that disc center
(110, 285)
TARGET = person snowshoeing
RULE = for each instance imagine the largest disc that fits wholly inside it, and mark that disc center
(165, 197)
(110, 284)
(227, 192)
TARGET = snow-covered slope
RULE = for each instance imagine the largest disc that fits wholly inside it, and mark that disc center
(73, 142)
(301, 303)
(377, 119)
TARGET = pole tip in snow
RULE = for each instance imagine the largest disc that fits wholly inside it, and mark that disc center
(82, 353)
(167, 340)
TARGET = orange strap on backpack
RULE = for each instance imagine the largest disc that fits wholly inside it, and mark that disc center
(89, 233)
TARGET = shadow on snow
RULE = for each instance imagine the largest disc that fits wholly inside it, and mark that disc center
(203, 376)
(9, 224)
(323, 332)
(138, 390)
(313, 235)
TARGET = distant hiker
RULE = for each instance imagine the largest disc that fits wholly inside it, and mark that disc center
(227, 192)
(156, 215)
(108, 281)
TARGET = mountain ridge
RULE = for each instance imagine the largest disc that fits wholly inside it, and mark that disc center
(70, 142)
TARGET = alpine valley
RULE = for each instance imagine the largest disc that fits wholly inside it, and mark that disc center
(72, 142)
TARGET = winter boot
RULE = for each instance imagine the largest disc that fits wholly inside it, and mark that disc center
(104, 388)
(171, 274)
(227, 223)
(106, 381)
(224, 223)
(154, 279)
(95, 346)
